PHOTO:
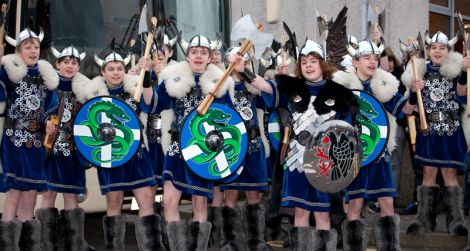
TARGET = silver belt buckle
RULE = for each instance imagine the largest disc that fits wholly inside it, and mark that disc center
(438, 116)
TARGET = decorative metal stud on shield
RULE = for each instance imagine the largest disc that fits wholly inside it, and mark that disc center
(107, 132)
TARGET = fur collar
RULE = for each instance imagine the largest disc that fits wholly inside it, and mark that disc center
(452, 67)
(407, 76)
(17, 69)
(179, 80)
(98, 84)
(383, 84)
(82, 89)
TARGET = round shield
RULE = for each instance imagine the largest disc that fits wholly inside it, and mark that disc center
(107, 132)
(332, 156)
(374, 127)
(233, 176)
(214, 145)
(274, 130)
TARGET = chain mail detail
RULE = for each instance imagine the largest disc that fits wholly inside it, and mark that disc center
(439, 94)
(64, 144)
(27, 105)
(154, 128)
(306, 121)
(245, 104)
(174, 148)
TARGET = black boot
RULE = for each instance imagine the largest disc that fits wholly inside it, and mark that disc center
(324, 240)
(198, 235)
(114, 228)
(232, 238)
(425, 219)
(354, 235)
(148, 233)
(74, 230)
(30, 238)
(48, 219)
(254, 225)
(159, 210)
(10, 233)
(387, 233)
(178, 232)
(214, 216)
(300, 238)
(453, 203)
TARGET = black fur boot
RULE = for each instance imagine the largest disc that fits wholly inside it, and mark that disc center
(387, 233)
(159, 210)
(30, 238)
(198, 235)
(425, 219)
(300, 238)
(232, 238)
(114, 228)
(74, 230)
(10, 233)
(467, 248)
(354, 235)
(48, 219)
(453, 203)
(148, 234)
(337, 216)
(214, 216)
(178, 232)
(254, 228)
(324, 240)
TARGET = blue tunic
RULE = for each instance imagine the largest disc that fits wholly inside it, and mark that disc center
(254, 176)
(64, 173)
(137, 172)
(174, 167)
(28, 104)
(376, 179)
(445, 131)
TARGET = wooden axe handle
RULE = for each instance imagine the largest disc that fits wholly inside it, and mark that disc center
(204, 106)
(410, 119)
(423, 125)
(285, 141)
(138, 90)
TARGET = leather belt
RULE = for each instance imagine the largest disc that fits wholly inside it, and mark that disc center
(30, 125)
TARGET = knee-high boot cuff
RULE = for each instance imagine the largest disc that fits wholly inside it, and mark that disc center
(354, 235)
(48, 219)
(114, 228)
(10, 233)
(74, 230)
(215, 218)
(425, 219)
(178, 233)
(254, 224)
(30, 238)
(147, 233)
(453, 203)
(232, 237)
(387, 233)
(324, 240)
(198, 235)
(300, 238)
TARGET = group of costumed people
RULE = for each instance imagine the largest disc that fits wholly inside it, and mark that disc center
(319, 87)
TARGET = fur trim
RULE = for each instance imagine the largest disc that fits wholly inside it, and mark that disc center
(198, 235)
(255, 227)
(48, 219)
(114, 228)
(392, 141)
(82, 89)
(407, 76)
(167, 117)
(74, 230)
(232, 230)
(30, 238)
(260, 115)
(214, 216)
(465, 125)
(148, 232)
(144, 118)
(179, 80)
(48, 74)
(453, 203)
(345, 100)
(301, 238)
(17, 69)
(425, 219)
(387, 233)
(354, 235)
(348, 79)
(325, 240)
(2, 123)
(10, 233)
(100, 88)
(384, 85)
(178, 230)
(452, 67)
(293, 87)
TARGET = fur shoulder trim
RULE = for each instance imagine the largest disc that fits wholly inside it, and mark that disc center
(348, 80)
(48, 74)
(392, 142)
(466, 124)
(167, 117)
(452, 67)
(178, 79)
(82, 88)
(130, 83)
(99, 86)
(407, 76)
(260, 116)
(384, 85)
(15, 67)
(210, 78)
(144, 118)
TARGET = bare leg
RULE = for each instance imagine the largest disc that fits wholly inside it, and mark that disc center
(386, 206)
(301, 217)
(145, 199)
(114, 203)
(48, 199)
(12, 201)
(70, 201)
(355, 208)
(171, 201)
(199, 208)
(231, 198)
(27, 204)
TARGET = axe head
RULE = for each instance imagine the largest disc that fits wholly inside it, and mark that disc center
(245, 29)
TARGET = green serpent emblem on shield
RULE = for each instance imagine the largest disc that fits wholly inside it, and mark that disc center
(231, 147)
(120, 145)
(369, 141)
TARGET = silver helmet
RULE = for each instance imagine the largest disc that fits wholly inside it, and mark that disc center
(198, 40)
(23, 35)
(441, 38)
(113, 56)
(68, 51)
(310, 47)
(365, 47)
